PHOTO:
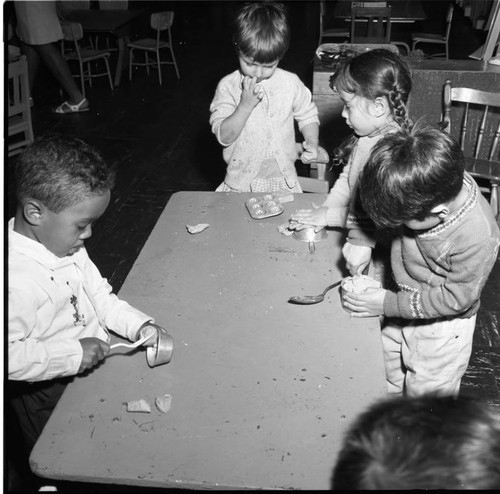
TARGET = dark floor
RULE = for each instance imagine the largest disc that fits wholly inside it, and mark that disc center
(161, 142)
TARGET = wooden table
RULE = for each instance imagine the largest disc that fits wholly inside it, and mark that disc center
(262, 390)
(402, 11)
(117, 23)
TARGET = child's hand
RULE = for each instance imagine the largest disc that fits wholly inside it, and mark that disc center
(309, 217)
(368, 303)
(94, 350)
(149, 329)
(252, 94)
(310, 154)
(356, 257)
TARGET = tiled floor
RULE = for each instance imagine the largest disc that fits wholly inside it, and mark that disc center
(161, 142)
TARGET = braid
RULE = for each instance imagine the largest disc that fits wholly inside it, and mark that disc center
(399, 108)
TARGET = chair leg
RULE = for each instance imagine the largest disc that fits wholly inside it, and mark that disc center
(82, 79)
(159, 64)
(146, 61)
(495, 199)
(109, 74)
(89, 74)
(175, 63)
(130, 63)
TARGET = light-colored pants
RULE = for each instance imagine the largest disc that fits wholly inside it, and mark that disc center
(422, 356)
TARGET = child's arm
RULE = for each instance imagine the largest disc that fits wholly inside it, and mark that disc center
(463, 271)
(251, 96)
(463, 279)
(310, 132)
(115, 314)
(333, 212)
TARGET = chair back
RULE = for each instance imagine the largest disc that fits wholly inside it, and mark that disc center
(18, 89)
(478, 119)
(371, 24)
(449, 18)
(162, 20)
(19, 110)
(72, 32)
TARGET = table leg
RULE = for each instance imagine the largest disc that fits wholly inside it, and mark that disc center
(122, 58)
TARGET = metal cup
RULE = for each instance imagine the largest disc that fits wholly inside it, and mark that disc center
(161, 352)
(309, 235)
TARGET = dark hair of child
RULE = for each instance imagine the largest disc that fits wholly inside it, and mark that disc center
(61, 171)
(262, 32)
(427, 442)
(409, 173)
(374, 74)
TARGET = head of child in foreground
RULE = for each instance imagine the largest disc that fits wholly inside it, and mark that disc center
(412, 178)
(261, 38)
(427, 442)
(374, 87)
(63, 186)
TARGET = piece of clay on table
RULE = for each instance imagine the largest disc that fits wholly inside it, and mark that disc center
(140, 406)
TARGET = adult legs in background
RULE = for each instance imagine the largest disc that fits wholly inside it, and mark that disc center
(50, 55)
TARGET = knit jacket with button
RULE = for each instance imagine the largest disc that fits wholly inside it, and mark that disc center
(269, 129)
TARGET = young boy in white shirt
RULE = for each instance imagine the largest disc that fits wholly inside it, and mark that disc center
(60, 308)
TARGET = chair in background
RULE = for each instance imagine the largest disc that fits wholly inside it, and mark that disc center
(85, 57)
(441, 39)
(371, 24)
(20, 130)
(160, 21)
(330, 32)
(473, 134)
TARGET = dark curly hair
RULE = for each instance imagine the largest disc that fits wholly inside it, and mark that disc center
(409, 173)
(61, 171)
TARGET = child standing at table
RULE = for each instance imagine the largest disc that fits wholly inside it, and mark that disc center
(60, 308)
(254, 108)
(374, 87)
(444, 248)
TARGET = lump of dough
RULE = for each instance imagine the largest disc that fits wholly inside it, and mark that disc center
(197, 228)
(163, 402)
(138, 406)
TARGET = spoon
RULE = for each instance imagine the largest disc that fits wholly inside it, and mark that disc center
(312, 299)
(131, 345)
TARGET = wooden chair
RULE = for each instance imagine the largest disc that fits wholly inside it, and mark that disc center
(319, 180)
(431, 38)
(160, 21)
(478, 118)
(73, 33)
(330, 32)
(20, 130)
(371, 24)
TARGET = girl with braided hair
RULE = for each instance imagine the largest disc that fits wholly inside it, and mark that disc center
(374, 87)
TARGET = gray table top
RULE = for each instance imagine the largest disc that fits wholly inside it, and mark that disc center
(262, 390)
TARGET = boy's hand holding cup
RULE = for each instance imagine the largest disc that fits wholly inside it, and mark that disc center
(149, 329)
